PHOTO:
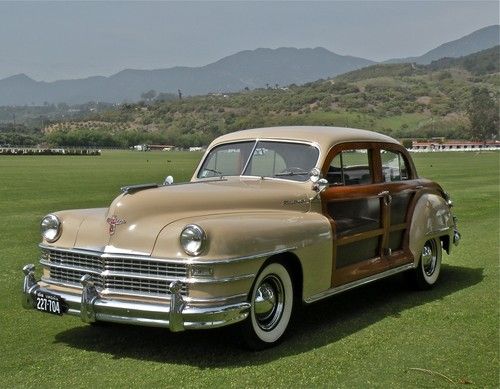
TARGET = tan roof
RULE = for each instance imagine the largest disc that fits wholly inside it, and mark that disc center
(325, 137)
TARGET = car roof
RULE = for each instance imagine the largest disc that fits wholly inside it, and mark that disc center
(325, 137)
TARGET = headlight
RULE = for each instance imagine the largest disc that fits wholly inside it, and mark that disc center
(50, 228)
(193, 239)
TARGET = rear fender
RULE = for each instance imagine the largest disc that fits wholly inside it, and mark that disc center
(432, 218)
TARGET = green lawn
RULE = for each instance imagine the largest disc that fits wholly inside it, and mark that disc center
(377, 335)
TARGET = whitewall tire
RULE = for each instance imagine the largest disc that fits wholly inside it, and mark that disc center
(429, 266)
(271, 310)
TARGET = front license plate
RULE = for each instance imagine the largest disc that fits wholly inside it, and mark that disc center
(50, 303)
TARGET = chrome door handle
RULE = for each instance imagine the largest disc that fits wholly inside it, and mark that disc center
(386, 196)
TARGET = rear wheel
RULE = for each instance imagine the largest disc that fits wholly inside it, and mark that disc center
(429, 266)
(271, 310)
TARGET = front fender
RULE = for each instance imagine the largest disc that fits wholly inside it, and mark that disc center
(432, 218)
(241, 242)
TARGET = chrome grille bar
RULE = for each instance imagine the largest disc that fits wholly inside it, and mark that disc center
(117, 275)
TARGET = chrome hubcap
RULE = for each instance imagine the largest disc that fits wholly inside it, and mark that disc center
(269, 302)
(429, 258)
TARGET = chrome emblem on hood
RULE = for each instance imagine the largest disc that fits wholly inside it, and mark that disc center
(113, 221)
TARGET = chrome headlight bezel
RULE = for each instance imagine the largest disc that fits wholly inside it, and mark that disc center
(50, 228)
(193, 239)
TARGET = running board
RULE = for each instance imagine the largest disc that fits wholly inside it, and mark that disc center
(355, 284)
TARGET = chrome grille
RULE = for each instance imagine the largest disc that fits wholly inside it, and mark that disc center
(124, 275)
(139, 285)
(74, 259)
(148, 268)
(72, 276)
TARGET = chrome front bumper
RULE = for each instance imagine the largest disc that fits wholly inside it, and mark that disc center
(177, 315)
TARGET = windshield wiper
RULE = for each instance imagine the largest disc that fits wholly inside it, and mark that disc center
(213, 171)
(288, 173)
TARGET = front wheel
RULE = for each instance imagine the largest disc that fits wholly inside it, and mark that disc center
(429, 266)
(271, 310)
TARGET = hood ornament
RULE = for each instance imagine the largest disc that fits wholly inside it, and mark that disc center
(114, 221)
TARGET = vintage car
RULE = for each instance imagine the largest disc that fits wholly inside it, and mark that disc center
(272, 217)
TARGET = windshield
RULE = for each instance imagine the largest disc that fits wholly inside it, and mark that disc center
(285, 160)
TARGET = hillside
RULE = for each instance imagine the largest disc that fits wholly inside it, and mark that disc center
(478, 40)
(401, 100)
(481, 63)
(246, 69)
(486, 61)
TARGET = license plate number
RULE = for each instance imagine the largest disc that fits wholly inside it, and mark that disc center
(50, 303)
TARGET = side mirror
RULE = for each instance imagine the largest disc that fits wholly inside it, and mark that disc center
(169, 180)
(320, 185)
(314, 175)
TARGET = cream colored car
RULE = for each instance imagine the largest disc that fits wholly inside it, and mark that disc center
(272, 217)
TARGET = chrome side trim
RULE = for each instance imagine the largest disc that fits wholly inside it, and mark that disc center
(186, 261)
(354, 284)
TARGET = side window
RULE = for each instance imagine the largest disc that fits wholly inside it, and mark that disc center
(394, 167)
(350, 167)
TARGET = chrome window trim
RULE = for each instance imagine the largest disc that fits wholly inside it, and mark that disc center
(316, 145)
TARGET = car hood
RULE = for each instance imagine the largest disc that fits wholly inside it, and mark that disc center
(133, 221)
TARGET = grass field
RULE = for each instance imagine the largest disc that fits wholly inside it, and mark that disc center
(378, 335)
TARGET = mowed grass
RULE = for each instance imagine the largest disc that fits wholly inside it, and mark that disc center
(377, 335)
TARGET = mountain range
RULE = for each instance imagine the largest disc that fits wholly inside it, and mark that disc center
(479, 40)
(251, 69)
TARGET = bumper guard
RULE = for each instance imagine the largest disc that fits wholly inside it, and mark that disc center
(177, 316)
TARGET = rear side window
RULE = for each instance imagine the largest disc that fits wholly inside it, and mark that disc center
(394, 166)
(350, 167)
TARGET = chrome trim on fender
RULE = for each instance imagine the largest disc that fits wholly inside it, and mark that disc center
(354, 284)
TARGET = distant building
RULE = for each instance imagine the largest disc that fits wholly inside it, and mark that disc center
(453, 145)
(161, 147)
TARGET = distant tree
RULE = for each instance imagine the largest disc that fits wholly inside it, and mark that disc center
(149, 95)
(483, 114)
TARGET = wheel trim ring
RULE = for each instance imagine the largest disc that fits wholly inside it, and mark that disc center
(271, 320)
(429, 258)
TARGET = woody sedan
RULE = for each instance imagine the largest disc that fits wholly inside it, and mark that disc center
(271, 218)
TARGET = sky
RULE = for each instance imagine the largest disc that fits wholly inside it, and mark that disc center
(62, 40)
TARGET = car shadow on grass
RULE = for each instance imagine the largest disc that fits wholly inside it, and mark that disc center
(314, 326)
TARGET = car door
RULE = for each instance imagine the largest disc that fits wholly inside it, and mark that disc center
(368, 237)
(401, 185)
